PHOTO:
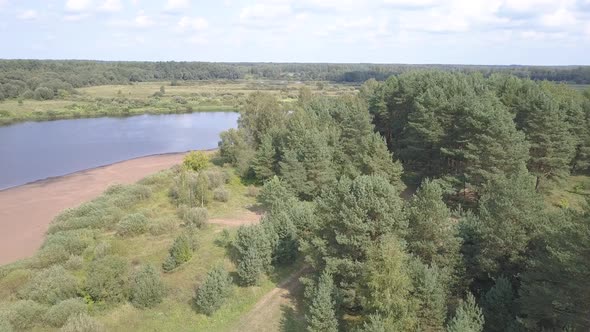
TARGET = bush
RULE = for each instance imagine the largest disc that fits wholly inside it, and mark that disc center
(221, 195)
(147, 289)
(82, 323)
(5, 326)
(74, 263)
(58, 314)
(253, 191)
(43, 93)
(50, 255)
(180, 252)
(51, 286)
(216, 178)
(102, 249)
(25, 314)
(107, 279)
(190, 189)
(214, 290)
(195, 217)
(162, 225)
(132, 225)
(74, 242)
(196, 161)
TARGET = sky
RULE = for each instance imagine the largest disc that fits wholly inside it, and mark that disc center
(501, 32)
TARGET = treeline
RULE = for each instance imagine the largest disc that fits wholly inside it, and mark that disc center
(500, 261)
(44, 79)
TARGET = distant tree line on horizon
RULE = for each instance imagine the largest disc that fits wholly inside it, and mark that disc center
(44, 79)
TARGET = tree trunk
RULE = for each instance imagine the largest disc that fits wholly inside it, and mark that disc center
(537, 183)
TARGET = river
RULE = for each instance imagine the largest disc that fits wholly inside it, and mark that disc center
(33, 151)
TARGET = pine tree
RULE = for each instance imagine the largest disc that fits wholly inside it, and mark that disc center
(180, 252)
(499, 306)
(214, 290)
(293, 172)
(264, 160)
(511, 214)
(555, 291)
(432, 235)
(430, 292)
(468, 317)
(321, 316)
(254, 253)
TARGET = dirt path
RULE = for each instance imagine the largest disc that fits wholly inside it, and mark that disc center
(26, 211)
(247, 218)
(268, 314)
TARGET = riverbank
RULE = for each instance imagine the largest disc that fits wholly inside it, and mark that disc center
(27, 210)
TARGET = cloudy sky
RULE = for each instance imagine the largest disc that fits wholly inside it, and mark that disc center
(540, 32)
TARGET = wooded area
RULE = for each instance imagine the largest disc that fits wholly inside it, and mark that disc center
(43, 79)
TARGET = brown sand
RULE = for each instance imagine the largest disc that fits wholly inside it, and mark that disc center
(26, 211)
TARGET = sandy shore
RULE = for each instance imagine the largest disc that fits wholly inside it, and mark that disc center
(26, 211)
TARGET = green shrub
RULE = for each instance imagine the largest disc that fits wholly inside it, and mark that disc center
(58, 314)
(195, 217)
(190, 189)
(14, 280)
(221, 195)
(82, 323)
(102, 249)
(107, 279)
(162, 225)
(73, 241)
(213, 291)
(216, 178)
(563, 203)
(96, 214)
(50, 255)
(5, 326)
(147, 289)
(50, 286)
(74, 263)
(25, 314)
(196, 161)
(180, 252)
(132, 225)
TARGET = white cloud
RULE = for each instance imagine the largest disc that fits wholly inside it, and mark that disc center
(559, 18)
(111, 6)
(176, 5)
(28, 15)
(140, 21)
(78, 5)
(75, 17)
(198, 40)
(411, 4)
(265, 15)
(189, 23)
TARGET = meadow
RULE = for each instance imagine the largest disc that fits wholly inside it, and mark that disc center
(157, 98)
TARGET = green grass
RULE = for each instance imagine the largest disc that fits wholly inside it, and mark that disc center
(579, 87)
(136, 99)
(573, 193)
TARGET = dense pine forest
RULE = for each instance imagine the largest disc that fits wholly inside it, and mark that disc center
(474, 249)
(43, 79)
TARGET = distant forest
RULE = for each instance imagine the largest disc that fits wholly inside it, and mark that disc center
(24, 77)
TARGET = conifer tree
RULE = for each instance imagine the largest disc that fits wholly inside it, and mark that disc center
(254, 253)
(321, 316)
(430, 290)
(265, 159)
(214, 290)
(498, 305)
(468, 317)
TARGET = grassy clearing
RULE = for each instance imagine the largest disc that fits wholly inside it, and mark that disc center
(574, 192)
(90, 231)
(145, 98)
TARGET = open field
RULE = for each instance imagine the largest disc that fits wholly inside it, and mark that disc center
(146, 98)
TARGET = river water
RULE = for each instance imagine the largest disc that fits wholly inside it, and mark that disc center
(33, 151)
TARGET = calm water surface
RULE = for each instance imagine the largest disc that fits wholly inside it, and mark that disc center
(37, 150)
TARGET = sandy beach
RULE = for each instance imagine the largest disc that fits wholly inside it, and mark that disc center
(27, 210)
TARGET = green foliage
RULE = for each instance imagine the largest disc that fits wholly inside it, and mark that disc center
(196, 161)
(50, 286)
(74, 263)
(282, 233)
(351, 217)
(216, 178)
(214, 290)
(555, 290)
(433, 235)
(107, 279)
(190, 188)
(431, 291)
(499, 306)
(147, 290)
(58, 314)
(468, 317)
(43, 93)
(321, 316)
(132, 225)
(82, 323)
(253, 253)
(180, 252)
(25, 314)
(274, 193)
(194, 217)
(260, 112)
(221, 195)
(388, 284)
(234, 149)
(264, 162)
